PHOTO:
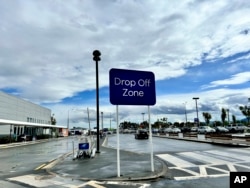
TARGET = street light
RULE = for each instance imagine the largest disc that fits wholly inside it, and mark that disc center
(102, 120)
(185, 112)
(97, 58)
(196, 98)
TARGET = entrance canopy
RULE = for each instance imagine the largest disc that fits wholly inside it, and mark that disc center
(23, 123)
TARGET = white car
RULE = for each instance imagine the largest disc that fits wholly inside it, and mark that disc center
(168, 130)
(176, 130)
(205, 129)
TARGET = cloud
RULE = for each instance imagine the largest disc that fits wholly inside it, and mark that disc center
(46, 46)
(236, 79)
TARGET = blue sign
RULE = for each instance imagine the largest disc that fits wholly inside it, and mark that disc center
(130, 87)
(83, 146)
(196, 120)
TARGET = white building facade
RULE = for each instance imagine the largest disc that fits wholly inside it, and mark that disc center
(13, 108)
(19, 110)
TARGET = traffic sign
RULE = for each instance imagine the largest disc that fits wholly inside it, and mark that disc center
(83, 146)
(131, 87)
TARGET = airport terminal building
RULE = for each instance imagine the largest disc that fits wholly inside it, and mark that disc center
(21, 117)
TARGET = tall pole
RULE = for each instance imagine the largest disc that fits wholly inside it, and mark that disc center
(143, 117)
(97, 58)
(110, 122)
(185, 112)
(68, 121)
(89, 121)
(102, 120)
(198, 121)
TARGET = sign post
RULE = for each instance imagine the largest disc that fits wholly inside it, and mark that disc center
(132, 87)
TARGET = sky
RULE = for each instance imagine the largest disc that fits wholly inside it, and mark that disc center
(195, 48)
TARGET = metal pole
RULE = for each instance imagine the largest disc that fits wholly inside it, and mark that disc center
(102, 120)
(97, 58)
(68, 123)
(89, 121)
(185, 112)
(196, 98)
(118, 142)
(110, 122)
(151, 141)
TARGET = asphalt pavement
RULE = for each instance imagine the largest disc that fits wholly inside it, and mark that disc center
(104, 166)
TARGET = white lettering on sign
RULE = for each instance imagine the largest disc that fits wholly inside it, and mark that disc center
(131, 93)
(143, 83)
(130, 83)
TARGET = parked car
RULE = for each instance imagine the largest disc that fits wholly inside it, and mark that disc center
(220, 129)
(185, 129)
(141, 134)
(236, 128)
(176, 130)
(205, 129)
(168, 130)
(194, 129)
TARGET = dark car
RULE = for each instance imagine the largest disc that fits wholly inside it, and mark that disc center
(185, 129)
(141, 134)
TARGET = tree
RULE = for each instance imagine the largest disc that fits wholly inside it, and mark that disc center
(207, 116)
(53, 120)
(223, 116)
(246, 112)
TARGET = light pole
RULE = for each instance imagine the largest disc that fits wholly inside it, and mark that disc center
(110, 122)
(97, 58)
(102, 120)
(68, 123)
(185, 112)
(198, 122)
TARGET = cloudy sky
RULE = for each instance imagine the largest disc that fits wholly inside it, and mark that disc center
(195, 48)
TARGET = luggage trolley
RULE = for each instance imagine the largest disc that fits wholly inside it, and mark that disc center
(85, 148)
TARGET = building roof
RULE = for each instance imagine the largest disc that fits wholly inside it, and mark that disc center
(23, 123)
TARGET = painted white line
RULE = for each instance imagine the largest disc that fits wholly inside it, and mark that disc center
(198, 177)
(175, 160)
(230, 154)
(231, 167)
(247, 151)
(203, 158)
(40, 166)
(203, 170)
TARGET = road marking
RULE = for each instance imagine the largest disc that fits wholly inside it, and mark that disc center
(175, 160)
(38, 168)
(203, 158)
(217, 163)
(230, 154)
